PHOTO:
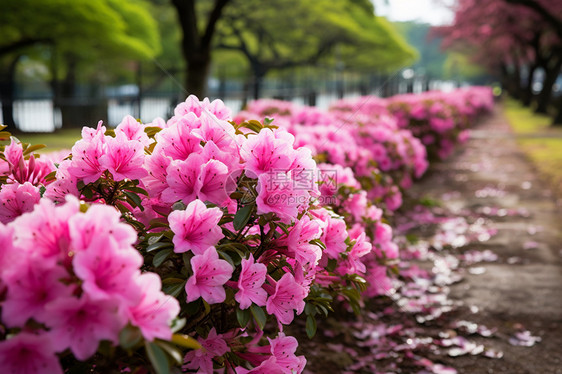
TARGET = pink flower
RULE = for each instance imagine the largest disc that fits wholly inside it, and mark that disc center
(283, 348)
(202, 359)
(219, 132)
(252, 277)
(289, 295)
(269, 366)
(108, 271)
(86, 154)
(80, 324)
(276, 194)
(212, 182)
(353, 263)
(209, 275)
(155, 311)
(100, 223)
(133, 130)
(156, 164)
(31, 286)
(195, 228)
(123, 158)
(64, 185)
(334, 236)
(183, 179)
(28, 353)
(264, 152)
(44, 231)
(17, 199)
(178, 141)
(298, 242)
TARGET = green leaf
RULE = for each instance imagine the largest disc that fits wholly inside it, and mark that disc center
(259, 315)
(129, 337)
(185, 341)
(178, 324)
(157, 358)
(173, 286)
(138, 190)
(158, 245)
(33, 148)
(242, 217)
(161, 256)
(171, 350)
(243, 317)
(310, 327)
(135, 199)
(332, 263)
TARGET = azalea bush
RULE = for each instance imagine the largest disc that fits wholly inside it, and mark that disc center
(438, 119)
(190, 243)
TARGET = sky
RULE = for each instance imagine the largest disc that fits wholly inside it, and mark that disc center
(430, 11)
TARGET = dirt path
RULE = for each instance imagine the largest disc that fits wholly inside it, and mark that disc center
(523, 289)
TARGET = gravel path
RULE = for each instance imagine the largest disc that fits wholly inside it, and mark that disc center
(523, 289)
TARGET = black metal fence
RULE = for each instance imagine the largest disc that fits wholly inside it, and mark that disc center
(35, 109)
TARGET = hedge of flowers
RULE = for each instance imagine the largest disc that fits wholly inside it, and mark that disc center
(192, 242)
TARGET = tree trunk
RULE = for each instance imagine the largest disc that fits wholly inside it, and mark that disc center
(7, 92)
(557, 120)
(544, 97)
(197, 72)
(528, 91)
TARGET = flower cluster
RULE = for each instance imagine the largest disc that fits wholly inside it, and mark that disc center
(194, 241)
(440, 120)
(71, 280)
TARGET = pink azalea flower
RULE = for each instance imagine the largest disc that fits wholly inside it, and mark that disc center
(219, 132)
(8, 254)
(108, 272)
(13, 153)
(17, 199)
(155, 311)
(44, 232)
(190, 105)
(220, 110)
(99, 223)
(269, 366)
(333, 237)
(353, 264)
(183, 179)
(298, 242)
(252, 277)
(28, 353)
(156, 164)
(211, 183)
(283, 348)
(89, 133)
(178, 140)
(264, 152)
(209, 275)
(289, 295)
(202, 359)
(31, 286)
(123, 158)
(133, 130)
(86, 154)
(229, 158)
(80, 324)
(276, 194)
(64, 185)
(195, 228)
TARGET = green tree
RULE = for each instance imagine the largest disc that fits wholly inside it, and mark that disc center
(77, 32)
(308, 32)
(198, 22)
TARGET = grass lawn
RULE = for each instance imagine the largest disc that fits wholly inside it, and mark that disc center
(545, 150)
(62, 139)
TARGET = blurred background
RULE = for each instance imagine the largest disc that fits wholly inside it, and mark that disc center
(69, 63)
